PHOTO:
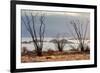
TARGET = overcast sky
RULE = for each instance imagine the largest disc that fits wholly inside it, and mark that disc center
(55, 22)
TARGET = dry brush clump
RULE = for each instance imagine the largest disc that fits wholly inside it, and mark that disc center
(59, 42)
(37, 34)
(78, 30)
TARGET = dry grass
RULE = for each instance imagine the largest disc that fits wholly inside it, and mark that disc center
(55, 56)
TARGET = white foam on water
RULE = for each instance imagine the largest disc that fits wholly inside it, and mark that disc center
(49, 45)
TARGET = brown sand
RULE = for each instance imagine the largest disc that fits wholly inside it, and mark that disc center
(56, 56)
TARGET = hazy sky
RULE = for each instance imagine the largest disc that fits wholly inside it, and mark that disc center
(56, 22)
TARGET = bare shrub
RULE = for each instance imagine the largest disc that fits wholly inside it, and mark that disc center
(37, 35)
(78, 30)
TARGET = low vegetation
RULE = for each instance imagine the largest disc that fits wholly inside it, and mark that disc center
(52, 55)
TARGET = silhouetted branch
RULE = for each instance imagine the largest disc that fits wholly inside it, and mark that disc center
(33, 31)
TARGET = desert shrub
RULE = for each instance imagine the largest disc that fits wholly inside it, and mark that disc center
(59, 43)
(50, 51)
(37, 35)
(24, 50)
(87, 50)
(78, 30)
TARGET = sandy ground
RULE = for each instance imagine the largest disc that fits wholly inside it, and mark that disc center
(56, 56)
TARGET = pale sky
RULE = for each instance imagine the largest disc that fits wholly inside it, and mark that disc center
(56, 22)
